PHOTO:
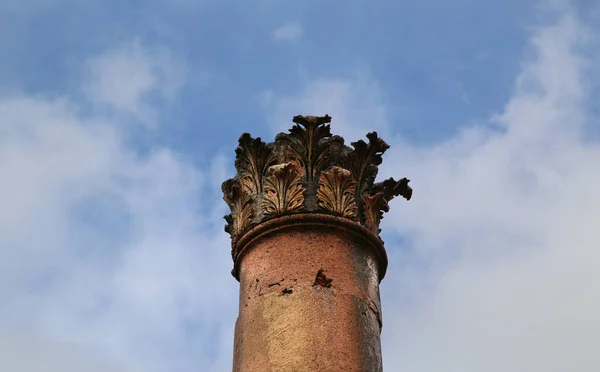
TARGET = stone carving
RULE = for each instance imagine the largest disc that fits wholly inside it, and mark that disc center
(336, 193)
(377, 197)
(252, 162)
(283, 190)
(308, 170)
(240, 204)
(307, 144)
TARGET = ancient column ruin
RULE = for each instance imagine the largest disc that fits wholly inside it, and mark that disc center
(304, 226)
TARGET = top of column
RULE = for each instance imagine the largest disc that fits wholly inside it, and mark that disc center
(308, 171)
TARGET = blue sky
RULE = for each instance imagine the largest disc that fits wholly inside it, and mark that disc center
(118, 123)
(460, 57)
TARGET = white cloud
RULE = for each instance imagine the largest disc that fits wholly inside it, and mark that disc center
(108, 258)
(288, 32)
(31, 355)
(355, 105)
(106, 262)
(124, 79)
(499, 271)
(516, 207)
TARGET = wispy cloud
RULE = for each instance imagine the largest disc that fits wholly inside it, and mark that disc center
(112, 258)
(126, 78)
(355, 104)
(505, 222)
(104, 256)
(498, 271)
(288, 32)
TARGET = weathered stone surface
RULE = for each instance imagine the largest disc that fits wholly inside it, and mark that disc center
(309, 297)
(304, 224)
(308, 170)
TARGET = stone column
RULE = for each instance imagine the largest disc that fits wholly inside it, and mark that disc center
(304, 224)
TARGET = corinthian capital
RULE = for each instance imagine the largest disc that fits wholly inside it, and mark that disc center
(308, 170)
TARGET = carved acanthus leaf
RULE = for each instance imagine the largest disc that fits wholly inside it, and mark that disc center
(336, 192)
(376, 200)
(309, 144)
(283, 190)
(392, 188)
(374, 206)
(308, 170)
(363, 162)
(240, 204)
(305, 142)
(252, 161)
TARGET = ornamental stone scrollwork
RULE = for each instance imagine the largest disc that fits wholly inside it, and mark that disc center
(284, 192)
(308, 170)
(336, 193)
(240, 204)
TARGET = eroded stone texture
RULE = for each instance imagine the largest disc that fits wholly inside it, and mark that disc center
(291, 321)
(304, 223)
(308, 170)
